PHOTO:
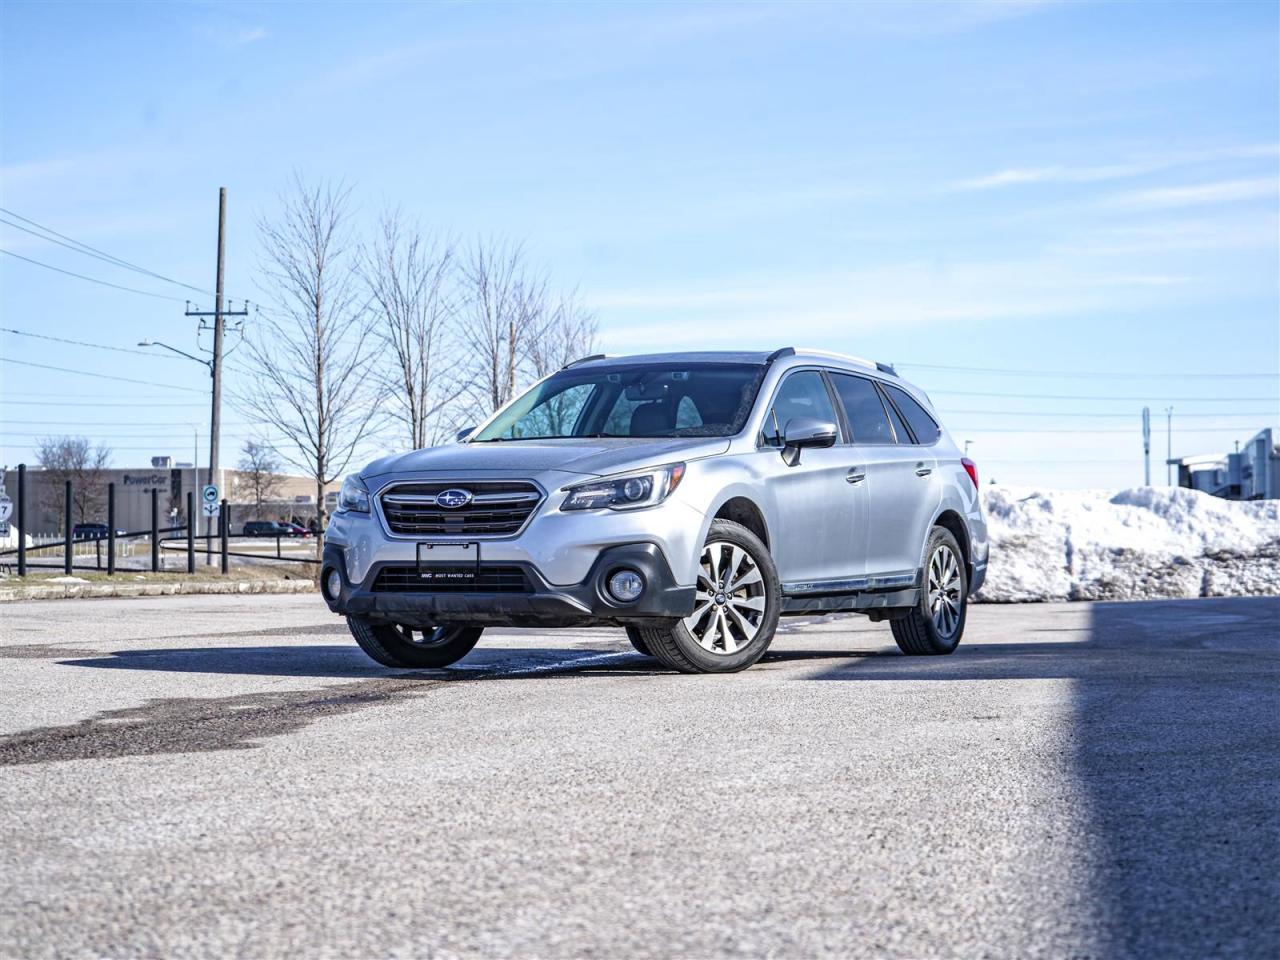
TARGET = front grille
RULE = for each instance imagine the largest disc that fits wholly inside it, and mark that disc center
(490, 578)
(497, 508)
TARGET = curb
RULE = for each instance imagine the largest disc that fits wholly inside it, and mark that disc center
(67, 591)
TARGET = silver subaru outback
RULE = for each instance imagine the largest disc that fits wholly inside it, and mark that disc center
(691, 498)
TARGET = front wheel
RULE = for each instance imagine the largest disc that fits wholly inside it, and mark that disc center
(393, 645)
(637, 641)
(737, 602)
(936, 623)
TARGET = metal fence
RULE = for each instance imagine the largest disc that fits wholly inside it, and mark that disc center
(120, 550)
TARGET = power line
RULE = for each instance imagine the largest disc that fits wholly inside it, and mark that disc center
(1131, 399)
(79, 247)
(1126, 416)
(84, 343)
(971, 429)
(100, 376)
(102, 423)
(1083, 374)
(169, 405)
(81, 276)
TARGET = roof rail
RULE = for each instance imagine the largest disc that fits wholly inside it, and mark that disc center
(886, 368)
(779, 354)
(594, 356)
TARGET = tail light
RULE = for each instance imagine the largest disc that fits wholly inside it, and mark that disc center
(971, 469)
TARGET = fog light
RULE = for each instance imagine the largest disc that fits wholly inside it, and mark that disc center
(626, 586)
(333, 584)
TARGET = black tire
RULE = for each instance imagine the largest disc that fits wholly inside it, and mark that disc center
(680, 648)
(946, 581)
(393, 645)
(637, 641)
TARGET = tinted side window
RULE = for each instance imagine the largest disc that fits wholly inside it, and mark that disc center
(922, 425)
(899, 428)
(864, 409)
(802, 394)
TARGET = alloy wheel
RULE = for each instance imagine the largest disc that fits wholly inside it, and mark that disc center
(944, 592)
(730, 601)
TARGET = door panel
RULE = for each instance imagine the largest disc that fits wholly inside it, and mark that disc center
(822, 517)
(821, 514)
(903, 495)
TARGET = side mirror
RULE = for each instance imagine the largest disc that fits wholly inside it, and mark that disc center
(464, 433)
(802, 432)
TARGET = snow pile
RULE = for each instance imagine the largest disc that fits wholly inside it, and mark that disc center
(1135, 544)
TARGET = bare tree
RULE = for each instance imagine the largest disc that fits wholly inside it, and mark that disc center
(260, 468)
(310, 357)
(74, 459)
(504, 307)
(569, 334)
(408, 275)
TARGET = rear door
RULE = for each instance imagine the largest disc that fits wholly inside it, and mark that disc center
(819, 536)
(918, 435)
(899, 473)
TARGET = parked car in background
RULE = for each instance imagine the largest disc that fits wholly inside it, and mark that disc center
(93, 531)
(265, 528)
(692, 498)
(274, 528)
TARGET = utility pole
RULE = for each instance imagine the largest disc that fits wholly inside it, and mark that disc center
(1168, 470)
(215, 366)
(1146, 446)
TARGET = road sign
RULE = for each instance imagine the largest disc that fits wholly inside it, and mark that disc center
(211, 509)
(209, 494)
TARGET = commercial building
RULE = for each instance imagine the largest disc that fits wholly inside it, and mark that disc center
(293, 497)
(1250, 473)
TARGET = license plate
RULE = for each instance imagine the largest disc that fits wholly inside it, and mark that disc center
(448, 562)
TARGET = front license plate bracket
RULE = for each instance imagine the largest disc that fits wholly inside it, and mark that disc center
(449, 562)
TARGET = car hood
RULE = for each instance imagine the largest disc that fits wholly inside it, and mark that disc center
(592, 457)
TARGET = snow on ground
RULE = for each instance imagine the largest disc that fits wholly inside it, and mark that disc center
(1133, 544)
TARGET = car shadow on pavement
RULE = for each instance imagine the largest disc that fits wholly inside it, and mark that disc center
(1176, 730)
(316, 660)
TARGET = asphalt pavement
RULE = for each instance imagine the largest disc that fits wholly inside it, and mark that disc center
(229, 775)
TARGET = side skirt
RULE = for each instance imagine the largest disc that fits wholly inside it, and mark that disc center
(868, 594)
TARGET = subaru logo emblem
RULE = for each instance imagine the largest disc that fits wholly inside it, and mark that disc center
(453, 498)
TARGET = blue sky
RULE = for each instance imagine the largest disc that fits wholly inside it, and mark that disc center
(1021, 186)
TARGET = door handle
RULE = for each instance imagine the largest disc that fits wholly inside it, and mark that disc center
(922, 470)
(855, 475)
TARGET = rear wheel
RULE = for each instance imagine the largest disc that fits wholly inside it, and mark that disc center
(394, 645)
(936, 623)
(736, 607)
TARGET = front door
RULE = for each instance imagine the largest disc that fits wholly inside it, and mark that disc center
(819, 503)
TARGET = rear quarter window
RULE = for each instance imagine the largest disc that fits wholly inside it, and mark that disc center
(923, 425)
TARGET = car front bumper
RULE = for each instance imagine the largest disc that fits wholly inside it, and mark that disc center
(539, 603)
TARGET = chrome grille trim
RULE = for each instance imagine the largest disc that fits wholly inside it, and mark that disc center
(498, 509)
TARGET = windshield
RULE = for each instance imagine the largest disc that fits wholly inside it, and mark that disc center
(649, 400)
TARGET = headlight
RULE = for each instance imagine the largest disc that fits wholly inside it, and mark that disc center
(627, 492)
(354, 496)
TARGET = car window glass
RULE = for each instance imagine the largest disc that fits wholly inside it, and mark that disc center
(899, 428)
(687, 413)
(555, 415)
(803, 394)
(863, 407)
(922, 425)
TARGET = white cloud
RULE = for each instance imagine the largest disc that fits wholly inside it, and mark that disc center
(1014, 176)
(835, 308)
(252, 35)
(1220, 191)
(1020, 175)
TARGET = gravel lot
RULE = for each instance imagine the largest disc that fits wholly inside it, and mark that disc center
(228, 775)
